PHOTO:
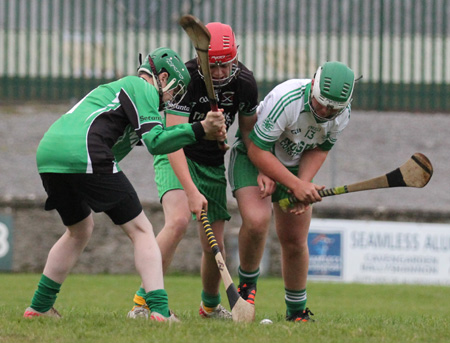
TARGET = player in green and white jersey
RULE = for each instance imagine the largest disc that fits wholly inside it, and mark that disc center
(78, 163)
(298, 123)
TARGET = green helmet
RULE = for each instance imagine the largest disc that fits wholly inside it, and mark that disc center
(333, 87)
(166, 60)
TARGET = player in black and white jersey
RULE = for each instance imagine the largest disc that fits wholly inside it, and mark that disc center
(194, 177)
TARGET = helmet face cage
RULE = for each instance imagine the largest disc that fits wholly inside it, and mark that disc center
(178, 94)
(333, 89)
(320, 118)
(167, 60)
(217, 83)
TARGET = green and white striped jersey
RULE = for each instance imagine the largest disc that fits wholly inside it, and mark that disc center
(103, 127)
(286, 127)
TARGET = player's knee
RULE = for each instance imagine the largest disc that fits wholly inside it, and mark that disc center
(82, 231)
(257, 225)
(208, 251)
(178, 224)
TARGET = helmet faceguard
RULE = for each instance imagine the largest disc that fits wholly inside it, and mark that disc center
(333, 88)
(222, 51)
(166, 60)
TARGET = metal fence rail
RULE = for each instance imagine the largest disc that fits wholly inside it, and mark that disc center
(60, 49)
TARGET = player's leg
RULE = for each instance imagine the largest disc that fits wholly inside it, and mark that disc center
(211, 182)
(77, 217)
(177, 217)
(66, 251)
(292, 231)
(147, 256)
(128, 214)
(61, 259)
(256, 215)
(210, 306)
(148, 263)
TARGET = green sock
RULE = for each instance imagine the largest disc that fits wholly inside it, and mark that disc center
(158, 301)
(248, 277)
(45, 296)
(139, 297)
(141, 292)
(210, 300)
(295, 301)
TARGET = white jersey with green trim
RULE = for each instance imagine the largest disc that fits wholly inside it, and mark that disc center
(286, 126)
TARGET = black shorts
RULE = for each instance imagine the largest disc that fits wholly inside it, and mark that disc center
(74, 195)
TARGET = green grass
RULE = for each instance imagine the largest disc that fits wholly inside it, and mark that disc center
(94, 309)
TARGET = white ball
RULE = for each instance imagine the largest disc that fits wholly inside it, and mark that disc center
(265, 321)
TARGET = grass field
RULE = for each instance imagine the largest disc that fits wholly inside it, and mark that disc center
(94, 308)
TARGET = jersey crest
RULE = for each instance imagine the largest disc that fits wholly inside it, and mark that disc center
(227, 98)
(268, 124)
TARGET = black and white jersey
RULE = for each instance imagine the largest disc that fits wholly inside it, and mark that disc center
(238, 96)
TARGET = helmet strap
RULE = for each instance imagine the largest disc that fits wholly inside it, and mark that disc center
(158, 81)
(140, 60)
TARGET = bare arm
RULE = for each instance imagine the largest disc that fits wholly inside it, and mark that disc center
(310, 163)
(246, 124)
(178, 161)
(266, 185)
(267, 163)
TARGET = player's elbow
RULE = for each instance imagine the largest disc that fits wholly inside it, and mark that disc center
(155, 149)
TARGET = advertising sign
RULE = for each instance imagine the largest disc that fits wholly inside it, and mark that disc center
(379, 252)
(325, 254)
(6, 242)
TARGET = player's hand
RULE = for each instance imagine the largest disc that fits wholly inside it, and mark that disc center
(221, 135)
(299, 208)
(197, 202)
(307, 192)
(214, 125)
(266, 185)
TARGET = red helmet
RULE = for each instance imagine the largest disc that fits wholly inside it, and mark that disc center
(222, 47)
(222, 51)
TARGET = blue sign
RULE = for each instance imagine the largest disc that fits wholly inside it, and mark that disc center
(6, 242)
(325, 254)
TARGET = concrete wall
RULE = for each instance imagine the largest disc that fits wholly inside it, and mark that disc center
(110, 250)
(373, 144)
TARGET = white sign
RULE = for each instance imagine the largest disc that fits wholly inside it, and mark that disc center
(4, 244)
(379, 252)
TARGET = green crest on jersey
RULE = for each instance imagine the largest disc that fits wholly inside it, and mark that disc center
(268, 124)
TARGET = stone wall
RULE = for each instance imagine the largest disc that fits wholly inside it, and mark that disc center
(110, 250)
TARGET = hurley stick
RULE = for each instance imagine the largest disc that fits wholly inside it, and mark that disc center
(200, 37)
(416, 172)
(241, 310)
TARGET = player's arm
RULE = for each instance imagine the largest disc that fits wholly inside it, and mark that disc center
(160, 140)
(246, 123)
(178, 161)
(310, 163)
(267, 163)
